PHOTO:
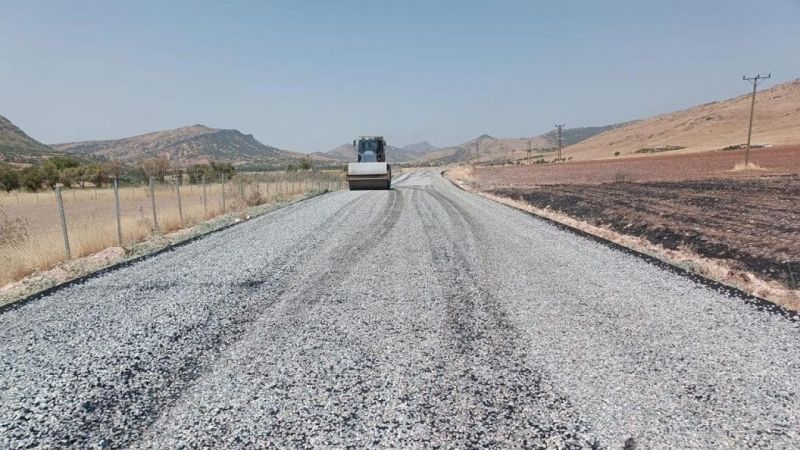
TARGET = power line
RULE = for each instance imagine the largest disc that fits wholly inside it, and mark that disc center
(755, 81)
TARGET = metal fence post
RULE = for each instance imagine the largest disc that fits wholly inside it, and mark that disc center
(180, 207)
(153, 204)
(223, 193)
(60, 203)
(116, 201)
(205, 208)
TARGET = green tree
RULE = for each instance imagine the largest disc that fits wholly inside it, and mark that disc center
(305, 163)
(218, 169)
(72, 175)
(9, 178)
(63, 162)
(32, 178)
(114, 169)
(51, 174)
(196, 173)
(156, 168)
(95, 173)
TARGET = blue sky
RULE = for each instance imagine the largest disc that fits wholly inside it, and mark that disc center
(309, 75)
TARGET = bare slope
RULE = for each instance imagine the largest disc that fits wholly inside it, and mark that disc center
(192, 144)
(16, 146)
(489, 149)
(485, 148)
(705, 127)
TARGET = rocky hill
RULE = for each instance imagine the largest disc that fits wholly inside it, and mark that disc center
(18, 147)
(182, 146)
(711, 126)
(416, 150)
(486, 149)
(346, 153)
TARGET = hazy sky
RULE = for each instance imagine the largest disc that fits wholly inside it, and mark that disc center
(310, 75)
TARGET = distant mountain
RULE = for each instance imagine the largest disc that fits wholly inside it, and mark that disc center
(416, 150)
(711, 126)
(346, 153)
(18, 147)
(187, 145)
(486, 149)
(571, 136)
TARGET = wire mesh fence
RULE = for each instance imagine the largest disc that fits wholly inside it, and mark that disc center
(39, 230)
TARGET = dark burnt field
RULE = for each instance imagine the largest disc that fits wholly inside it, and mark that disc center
(752, 223)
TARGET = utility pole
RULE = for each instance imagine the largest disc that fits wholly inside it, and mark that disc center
(755, 81)
(559, 127)
(477, 149)
(529, 151)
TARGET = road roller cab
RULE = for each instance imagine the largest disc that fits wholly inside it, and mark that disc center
(371, 171)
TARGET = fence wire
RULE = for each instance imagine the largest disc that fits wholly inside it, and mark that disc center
(32, 238)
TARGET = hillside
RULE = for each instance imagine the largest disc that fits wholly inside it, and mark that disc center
(18, 147)
(187, 145)
(487, 149)
(416, 150)
(346, 153)
(571, 136)
(705, 127)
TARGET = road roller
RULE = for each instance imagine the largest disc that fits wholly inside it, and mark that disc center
(370, 171)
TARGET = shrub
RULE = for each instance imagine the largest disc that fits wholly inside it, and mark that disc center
(9, 178)
(51, 174)
(156, 168)
(305, 163)
(664, 148)
(63, 162)
(12, 231)
(32, 178)
(622, 177)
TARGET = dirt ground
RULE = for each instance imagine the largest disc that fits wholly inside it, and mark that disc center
(748, 220)
(772, 161)
(754, 224)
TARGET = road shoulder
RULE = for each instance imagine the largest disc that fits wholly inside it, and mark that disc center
(746, 285)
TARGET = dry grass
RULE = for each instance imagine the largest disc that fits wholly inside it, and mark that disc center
(464, 174)
(705, 127)
(31, 239)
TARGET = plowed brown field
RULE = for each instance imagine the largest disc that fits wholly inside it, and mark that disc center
(772, 161)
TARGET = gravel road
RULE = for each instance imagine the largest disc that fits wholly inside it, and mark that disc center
(418, 317)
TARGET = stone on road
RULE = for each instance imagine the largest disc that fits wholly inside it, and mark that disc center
(416, 317)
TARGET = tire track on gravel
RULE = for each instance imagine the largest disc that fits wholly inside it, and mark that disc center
(288, 266)
(518, 407)
(299, 298)
(146, 387)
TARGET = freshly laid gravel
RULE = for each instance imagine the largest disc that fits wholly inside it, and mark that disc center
(415, 317)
